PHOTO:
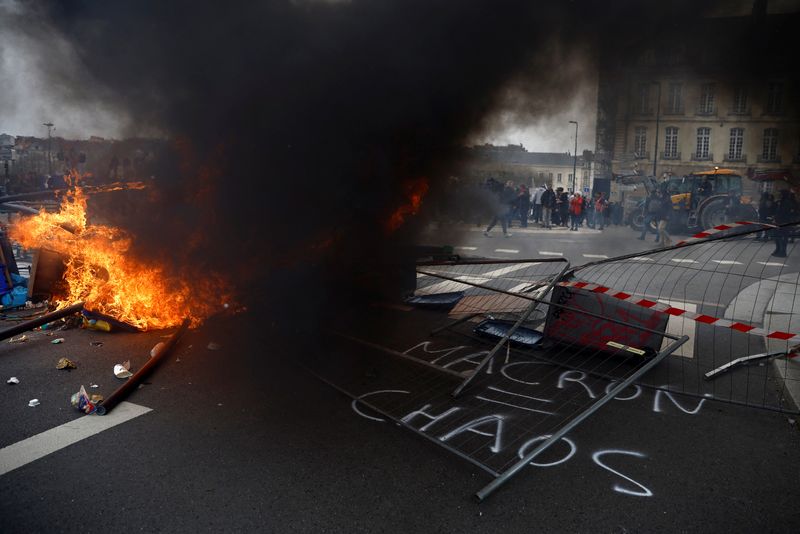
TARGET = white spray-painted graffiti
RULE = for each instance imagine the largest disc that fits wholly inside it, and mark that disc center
(493, 425)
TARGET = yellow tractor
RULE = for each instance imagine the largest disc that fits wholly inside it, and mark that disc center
(706, 199)
(700, 200)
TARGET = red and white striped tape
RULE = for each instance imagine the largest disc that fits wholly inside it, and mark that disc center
(711, 231)
(666, 308)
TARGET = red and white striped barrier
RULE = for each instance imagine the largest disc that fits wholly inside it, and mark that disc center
(711, 231)
(666, 308)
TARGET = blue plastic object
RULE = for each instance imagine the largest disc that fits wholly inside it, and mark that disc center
(16, 297)
(497, 329)
(436, 301)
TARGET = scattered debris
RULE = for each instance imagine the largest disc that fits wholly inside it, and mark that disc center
(214, 346)
(96, 398)
(82, 401)
(53, 325)
(94, 386)
(106, 323)
(96, 343)
(33, 402)
(66, 363)
(120, 371)
(57, 341)
(94, 324)
(12, 380)
(21, 339)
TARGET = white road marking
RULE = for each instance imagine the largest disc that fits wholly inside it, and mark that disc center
(449, 286)
(548, 253)
(466, 248)
(771, 263)
(507, 250)
(641, 258)
(681, 260)
(681, 326)
(38, 446)
(727, 262)
(601, 256)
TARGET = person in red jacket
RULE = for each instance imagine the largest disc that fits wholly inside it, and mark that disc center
(576, 211)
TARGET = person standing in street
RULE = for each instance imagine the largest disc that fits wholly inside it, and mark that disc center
(652, 208)
(576, 211)
(548, 201)
(786, 211)
(600, 206)
(766, 209)
(536, 202)
(523, 205)
(664, 214)
(506, 198)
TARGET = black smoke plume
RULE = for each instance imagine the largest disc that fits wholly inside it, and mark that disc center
(296, 127)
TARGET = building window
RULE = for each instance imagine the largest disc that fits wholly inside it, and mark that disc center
(671, 143)
(740, 100)
(703, 137)
(706, 99)
(640, 141)
(770, 152)
(559, 177)
(643, 98)
(767, 186)
(735, 147)
(675, 98)
(775, 98)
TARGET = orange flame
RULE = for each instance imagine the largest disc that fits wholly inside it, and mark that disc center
(415, 191)
(101, 271)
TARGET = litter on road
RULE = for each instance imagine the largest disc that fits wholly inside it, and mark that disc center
(81, 401)
(33, 402)
(12, 380)
(66, 363)
(123, 370)
(57, 341)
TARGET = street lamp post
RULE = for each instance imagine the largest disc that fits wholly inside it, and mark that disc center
(575, 158)
(658, 113)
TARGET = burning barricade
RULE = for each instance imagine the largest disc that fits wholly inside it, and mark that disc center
(90, 276)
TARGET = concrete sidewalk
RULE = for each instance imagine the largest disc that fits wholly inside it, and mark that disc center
(775, 303)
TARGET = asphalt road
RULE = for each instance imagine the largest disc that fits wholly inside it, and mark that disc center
(244, 439)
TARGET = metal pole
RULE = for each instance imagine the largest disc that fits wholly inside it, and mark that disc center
(108, 404)
(499, 481)
(575, 157)
(658, 113)
(39, 321)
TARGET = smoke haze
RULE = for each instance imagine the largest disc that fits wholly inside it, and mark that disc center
(297, 127)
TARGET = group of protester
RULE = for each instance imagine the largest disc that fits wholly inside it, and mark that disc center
(545, 206)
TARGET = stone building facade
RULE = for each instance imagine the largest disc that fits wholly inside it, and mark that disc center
(716, 93)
